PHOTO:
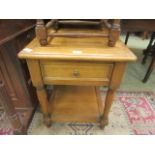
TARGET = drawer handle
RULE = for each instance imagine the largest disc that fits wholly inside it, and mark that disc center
(76, 73)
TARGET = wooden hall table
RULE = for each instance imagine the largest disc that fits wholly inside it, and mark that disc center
(76, 67)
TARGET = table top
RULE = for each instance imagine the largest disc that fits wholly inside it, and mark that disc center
(93, 49)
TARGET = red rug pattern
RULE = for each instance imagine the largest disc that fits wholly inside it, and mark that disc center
(140, 112)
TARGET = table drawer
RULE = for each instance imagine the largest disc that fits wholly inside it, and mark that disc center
(75, 71)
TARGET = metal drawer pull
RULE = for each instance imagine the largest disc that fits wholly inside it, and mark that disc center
(76, 73)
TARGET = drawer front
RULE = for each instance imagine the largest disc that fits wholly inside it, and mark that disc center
(75, 71)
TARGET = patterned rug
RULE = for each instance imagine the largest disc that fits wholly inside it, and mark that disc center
(5, 126)
(132, 113)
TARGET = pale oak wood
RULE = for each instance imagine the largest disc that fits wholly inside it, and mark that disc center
(114, 32)
(108, 103)
(56, 64)
(75, 104)
(42, 31)
(77, 35)
(75, 71)
(77, 82)
(88, 49)
(34, 69)
(101, 104)
(115, 81)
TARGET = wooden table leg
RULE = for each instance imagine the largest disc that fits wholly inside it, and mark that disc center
(10, 111)
(108, 103)
(116, 77)
(35, 72)
(43, 100)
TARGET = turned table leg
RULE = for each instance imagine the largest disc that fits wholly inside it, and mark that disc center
(116, 77)
(108, 103)
(10, 111)
(43, 100)
(114, 32)
(36, 77)
(41, 32)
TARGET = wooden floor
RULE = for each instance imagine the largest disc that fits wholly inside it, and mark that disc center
(75, 104)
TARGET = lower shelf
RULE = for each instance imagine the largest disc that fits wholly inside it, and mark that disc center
(75, 104)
